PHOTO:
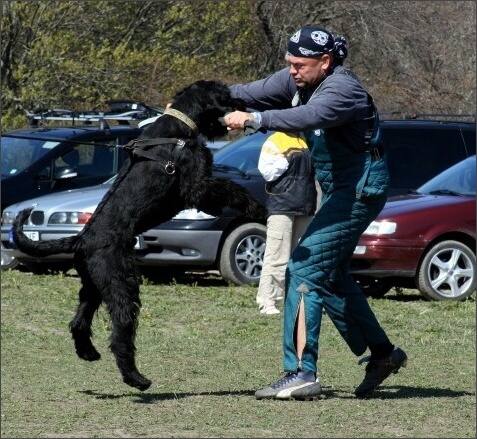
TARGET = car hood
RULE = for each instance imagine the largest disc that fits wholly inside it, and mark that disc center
(402, 204)
(82, 200)
(86, 199)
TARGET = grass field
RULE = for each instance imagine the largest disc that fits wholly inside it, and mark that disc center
(207, 349)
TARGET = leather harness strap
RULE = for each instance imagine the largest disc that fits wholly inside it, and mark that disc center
(134, 151)
(138, 147)
(169, 166)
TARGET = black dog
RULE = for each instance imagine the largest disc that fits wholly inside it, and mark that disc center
(170, 169)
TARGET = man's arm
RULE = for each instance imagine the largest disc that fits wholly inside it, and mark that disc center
(274, 92)
(339, 100)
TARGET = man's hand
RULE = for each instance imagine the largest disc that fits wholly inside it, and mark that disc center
(237, 119)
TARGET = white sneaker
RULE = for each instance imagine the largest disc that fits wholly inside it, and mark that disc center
(269, 309)
(297, 385)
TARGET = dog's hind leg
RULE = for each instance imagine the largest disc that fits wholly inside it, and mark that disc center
(80, 326)
(123, 304)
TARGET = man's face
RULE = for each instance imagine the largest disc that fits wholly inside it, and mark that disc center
(308, 72)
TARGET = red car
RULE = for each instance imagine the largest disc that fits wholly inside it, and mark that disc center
(424, 240)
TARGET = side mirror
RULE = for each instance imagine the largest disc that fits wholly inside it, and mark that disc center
(64, 173)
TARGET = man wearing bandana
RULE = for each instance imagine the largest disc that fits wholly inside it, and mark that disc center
(315, 95)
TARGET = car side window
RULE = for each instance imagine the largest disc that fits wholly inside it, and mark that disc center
(89, 159)
(101, 160)
(415, 155)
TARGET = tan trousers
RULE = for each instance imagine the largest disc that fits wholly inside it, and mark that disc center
(283, 234)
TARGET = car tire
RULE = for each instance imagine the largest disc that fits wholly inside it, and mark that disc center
(8, 262)
(373, 286)
(241, 258)
(448, 272)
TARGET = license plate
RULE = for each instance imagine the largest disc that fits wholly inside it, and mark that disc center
(34, 236)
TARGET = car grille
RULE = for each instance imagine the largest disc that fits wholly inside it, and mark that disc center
(37, 217)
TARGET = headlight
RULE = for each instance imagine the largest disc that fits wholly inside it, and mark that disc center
(69, 218)
(193, 214)
(7, 217)
(380, 228)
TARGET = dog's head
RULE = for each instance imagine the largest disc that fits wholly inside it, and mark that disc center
(205, 102)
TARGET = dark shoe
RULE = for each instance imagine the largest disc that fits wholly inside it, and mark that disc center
(298, 385)
(378, 370)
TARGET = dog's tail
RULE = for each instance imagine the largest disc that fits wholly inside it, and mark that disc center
(39, 248)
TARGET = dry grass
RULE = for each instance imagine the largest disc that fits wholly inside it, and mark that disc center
(207, 350)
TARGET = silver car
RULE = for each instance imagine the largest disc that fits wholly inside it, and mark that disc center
(230, 243)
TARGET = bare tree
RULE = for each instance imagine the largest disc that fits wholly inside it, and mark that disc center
(405, 51)
(413, 56)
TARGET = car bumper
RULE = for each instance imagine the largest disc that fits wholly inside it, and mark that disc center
(156, 247)
(179, 247)
(9, 248)
(378, 259)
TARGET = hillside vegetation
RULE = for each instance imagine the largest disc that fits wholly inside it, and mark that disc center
(414, 57)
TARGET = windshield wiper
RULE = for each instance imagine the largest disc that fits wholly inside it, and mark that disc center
(445, 192)
(228, 168)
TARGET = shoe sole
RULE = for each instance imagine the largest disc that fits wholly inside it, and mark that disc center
(299, 398)
(368, 392)
(308, 398)
(269, 312)
(287, 394)
(289, 398)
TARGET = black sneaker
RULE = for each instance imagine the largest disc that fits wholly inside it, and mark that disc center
(378, 370)
(298, 385)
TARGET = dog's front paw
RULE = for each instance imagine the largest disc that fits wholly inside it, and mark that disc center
(257, 211)
(210, 209)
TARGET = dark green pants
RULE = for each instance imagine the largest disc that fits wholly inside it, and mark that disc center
(318, 272)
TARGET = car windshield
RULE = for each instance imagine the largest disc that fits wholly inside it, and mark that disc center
(241, 155)
(19, 153)
(456, 180)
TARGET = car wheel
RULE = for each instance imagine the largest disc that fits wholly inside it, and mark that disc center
(373, 286)
(448, 272)
(241, 259)
(8, 262)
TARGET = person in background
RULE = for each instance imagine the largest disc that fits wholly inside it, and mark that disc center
(286, 166)
(316, 95)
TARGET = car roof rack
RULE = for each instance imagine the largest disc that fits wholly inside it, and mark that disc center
(121, 111)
